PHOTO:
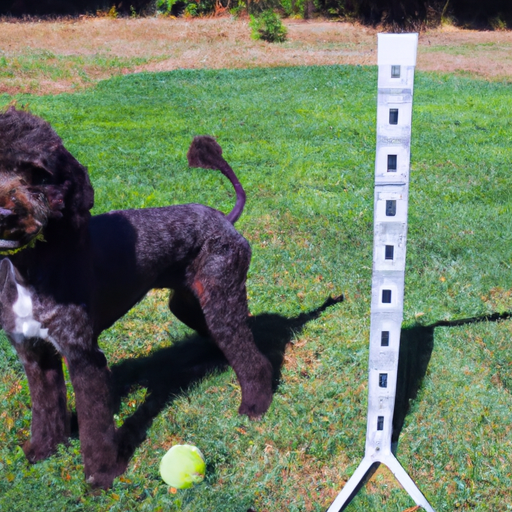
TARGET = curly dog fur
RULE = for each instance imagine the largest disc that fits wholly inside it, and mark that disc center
(58, 295)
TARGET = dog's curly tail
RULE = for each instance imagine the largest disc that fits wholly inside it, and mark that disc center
(206, 153)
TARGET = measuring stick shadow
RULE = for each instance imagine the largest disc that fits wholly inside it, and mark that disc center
(169, 372)
(416, 345)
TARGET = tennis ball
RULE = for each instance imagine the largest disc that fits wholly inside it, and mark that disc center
(182, 466)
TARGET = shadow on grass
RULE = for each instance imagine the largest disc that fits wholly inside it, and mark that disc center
(416, 345)
(169, 372)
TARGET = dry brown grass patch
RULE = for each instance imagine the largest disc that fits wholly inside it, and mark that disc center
(86, 49)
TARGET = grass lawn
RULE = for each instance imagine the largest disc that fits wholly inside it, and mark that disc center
(302, 141)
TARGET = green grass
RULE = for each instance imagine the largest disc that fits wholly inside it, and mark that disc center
(302, 141)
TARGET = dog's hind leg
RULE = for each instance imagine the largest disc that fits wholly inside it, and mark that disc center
(50, 418)
(219, 284)
(185, 307)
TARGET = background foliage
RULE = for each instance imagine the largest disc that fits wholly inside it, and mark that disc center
(268, 26)
(302, 141)
(398, 14)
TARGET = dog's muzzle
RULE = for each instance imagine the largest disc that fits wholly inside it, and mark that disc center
(23, 215)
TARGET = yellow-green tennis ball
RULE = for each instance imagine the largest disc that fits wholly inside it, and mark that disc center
(182, 466)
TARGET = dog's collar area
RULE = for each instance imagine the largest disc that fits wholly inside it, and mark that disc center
(9, 247)
(9, 244)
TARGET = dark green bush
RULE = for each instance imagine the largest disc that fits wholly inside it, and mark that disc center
(164, 6)
(268, 26)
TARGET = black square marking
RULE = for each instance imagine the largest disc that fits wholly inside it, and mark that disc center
(390, 208)
(392, 162)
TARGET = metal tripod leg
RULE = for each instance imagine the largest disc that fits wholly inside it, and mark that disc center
(407, 483)
(358, 479)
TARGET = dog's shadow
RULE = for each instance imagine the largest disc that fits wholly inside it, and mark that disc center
(169, 372)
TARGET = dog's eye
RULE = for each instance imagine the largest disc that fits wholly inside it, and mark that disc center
(35, 176)
(38, 178)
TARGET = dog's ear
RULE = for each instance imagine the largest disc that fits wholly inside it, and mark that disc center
(79, 197)
(66, 182)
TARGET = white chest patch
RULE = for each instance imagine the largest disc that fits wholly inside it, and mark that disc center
(26, 326)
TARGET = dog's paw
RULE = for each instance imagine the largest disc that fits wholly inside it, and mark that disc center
(104, 479)
(255, 409)
(249, 412)
(100, 480)
(35, 453)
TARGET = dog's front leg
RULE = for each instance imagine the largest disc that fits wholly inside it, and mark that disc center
(69, 328)
(50, 418)
(91, 377)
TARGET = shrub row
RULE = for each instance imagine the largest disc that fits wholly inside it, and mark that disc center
(398, 14)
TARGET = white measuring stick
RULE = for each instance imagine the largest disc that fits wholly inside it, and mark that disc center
(396, 60)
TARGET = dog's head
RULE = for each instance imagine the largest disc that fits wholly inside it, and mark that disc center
(40, 181)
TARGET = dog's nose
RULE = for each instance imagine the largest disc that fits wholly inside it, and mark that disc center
(4, 212)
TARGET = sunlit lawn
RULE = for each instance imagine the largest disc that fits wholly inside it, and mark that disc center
(302, 141)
